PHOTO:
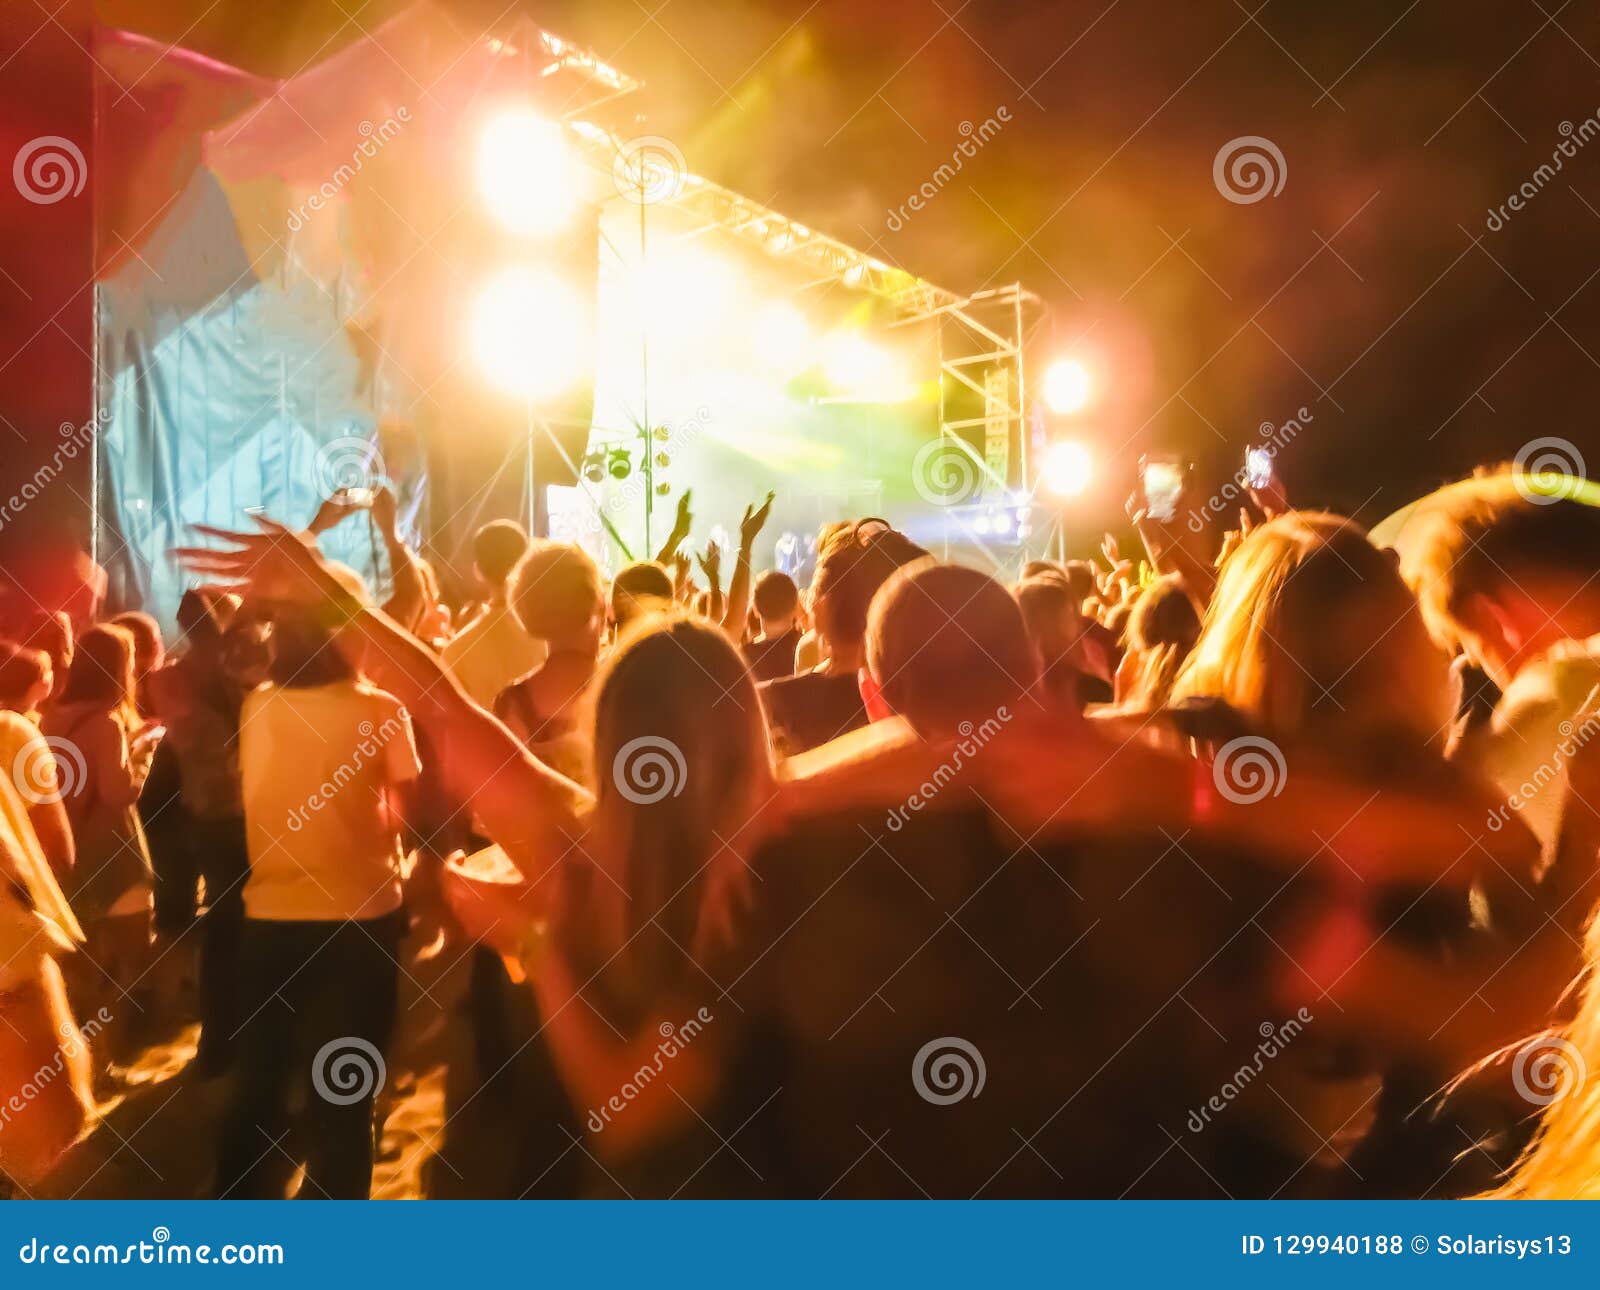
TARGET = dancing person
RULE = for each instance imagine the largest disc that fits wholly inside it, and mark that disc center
(148, 652)
(1162, 629)
(947, 648)
(494, 649)
(777, 604)
(26, 760)
(325, 760)
(199, 835)
(103, 753)
(1509, 581)
(853, 561)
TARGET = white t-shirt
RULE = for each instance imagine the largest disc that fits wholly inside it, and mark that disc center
(491, 652)
(1541, 721)
(314, 765)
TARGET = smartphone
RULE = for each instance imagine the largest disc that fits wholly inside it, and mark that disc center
(1257, 467)
(356, 496)
(1162, 480)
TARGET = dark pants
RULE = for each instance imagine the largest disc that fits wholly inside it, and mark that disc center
(224, 861)
(317, 1000)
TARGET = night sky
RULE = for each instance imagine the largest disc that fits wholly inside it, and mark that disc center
(1369, 290)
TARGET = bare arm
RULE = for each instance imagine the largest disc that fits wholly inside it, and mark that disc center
(526, 807)
(738, 605)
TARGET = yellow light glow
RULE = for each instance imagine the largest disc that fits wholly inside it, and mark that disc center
(530, 331)
(1067, 385)
(526, 172)
(1068, 468)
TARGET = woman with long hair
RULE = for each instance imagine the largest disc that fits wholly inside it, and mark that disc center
(102, 753)
(628, 884)
(1317, 650)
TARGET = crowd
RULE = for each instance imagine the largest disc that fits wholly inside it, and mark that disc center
(1258, 864)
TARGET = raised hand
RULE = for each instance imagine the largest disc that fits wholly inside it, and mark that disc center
(276, 563)
(755, 519)
(711, 563)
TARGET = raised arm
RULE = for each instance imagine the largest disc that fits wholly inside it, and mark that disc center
(738, 606)
(526, 807)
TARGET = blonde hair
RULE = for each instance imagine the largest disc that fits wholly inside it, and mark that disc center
(680, 746)
(1303, 629)
(1561, 1160)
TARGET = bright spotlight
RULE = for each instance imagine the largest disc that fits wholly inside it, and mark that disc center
(1068, 468)
(1067, 386)
(526, 172)
(530, 331)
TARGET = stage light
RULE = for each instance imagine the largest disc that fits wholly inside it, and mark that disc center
(619, 464)
(781, 338)
(1002, 523)
(981, 525)
(529, 332)
(594, 468)
(526, 172)
(1067, 385)
(1068, 468)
